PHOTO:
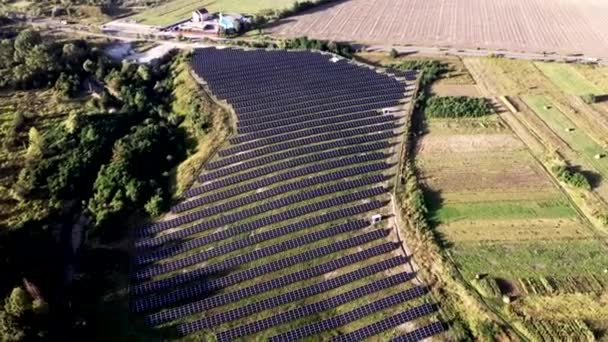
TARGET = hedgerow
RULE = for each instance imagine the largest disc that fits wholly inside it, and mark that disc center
(457, 107)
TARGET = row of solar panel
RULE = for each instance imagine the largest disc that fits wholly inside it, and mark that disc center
(301, 293)
(300, 110)
(298, 125)
(256, 174)
(365, 132)
(259, 209)
(289, 160)
(306, 112)
(268, 220)
(200, 285)
(316, 308)
(242, 259)
(298, 294)
(312, 131)
(294, 95)
(321, 103)
(285, 176)
(264, 182)
(252, 239)
(351, 316)
(237, 83)
(386, 324)
(283, 102)
(277, 283)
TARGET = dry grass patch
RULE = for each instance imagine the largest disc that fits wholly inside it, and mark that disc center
(515, 230)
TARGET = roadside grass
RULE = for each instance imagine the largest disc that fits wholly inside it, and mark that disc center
(576, 138)
(177, 10)
(568, 79)
(506, 210)
(531, 259)
(596, 74)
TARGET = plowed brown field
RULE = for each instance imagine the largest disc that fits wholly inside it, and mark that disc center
(562, 26)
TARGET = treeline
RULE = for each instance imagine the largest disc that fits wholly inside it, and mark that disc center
(106, 162)
(430, 71)
(457, 107)
(301, 43)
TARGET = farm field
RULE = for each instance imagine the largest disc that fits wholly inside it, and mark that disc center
(177, 10)
(561, 26)
(275, 238)
(501, 216)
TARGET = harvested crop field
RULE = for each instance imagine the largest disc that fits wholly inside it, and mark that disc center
(563, 26)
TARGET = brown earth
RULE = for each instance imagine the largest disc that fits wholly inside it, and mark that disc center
(563, 26)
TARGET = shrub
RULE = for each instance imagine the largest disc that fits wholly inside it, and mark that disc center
(571, 177)
(154, 205)
(457, 107)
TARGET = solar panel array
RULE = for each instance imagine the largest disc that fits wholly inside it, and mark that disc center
(281, 215)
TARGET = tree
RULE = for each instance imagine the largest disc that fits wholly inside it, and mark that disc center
(9, 329)
(589, 98)
(89, 66)
(25, 42)
(18, 303)
(66, 86)
(154, 205)
(35, 148)
(72, 123)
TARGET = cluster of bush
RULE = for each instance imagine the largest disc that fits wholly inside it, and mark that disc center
(571, 177)
(457, 107)
(301, 43)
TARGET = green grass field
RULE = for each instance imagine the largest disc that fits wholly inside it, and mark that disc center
(568, 79)
(504, 210)
(577, 139)
(177, 10)
(532, 259)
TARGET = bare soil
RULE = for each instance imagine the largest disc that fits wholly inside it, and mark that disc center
(562, 26)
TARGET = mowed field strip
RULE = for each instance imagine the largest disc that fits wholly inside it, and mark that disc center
(562, 26)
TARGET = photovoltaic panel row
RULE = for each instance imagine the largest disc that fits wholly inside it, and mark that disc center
(421, 333)
(332, 164)
(199, 287)
(302, 110)
(310, 309)
(351, 316)
(290, 95)
(314, 131)
(252, 239)
(295, 160)
(295, 295)
(269, 285)
(245, 258)
(265, 207)
(386, 324)
(305, 112)
(275, 191)
(244, 137)
(268, 220)
(368, 134)
(297, 120)
(322, 101)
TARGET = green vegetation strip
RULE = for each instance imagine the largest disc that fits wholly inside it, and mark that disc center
(500, 210)
(568, 79)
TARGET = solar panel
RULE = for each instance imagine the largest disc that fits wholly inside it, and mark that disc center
(351, 316)
(148, 303)
(251, 239)
(312, 309)
(386, 324)
(295, 295)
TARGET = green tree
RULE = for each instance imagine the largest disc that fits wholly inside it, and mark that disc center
(18, 303)
(154, 205)
(36, 146)
(394, 53)
(25, 42)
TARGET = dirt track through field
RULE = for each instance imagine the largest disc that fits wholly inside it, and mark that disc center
(562, 26)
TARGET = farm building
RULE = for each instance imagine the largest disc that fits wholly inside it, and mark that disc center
(200, 15)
